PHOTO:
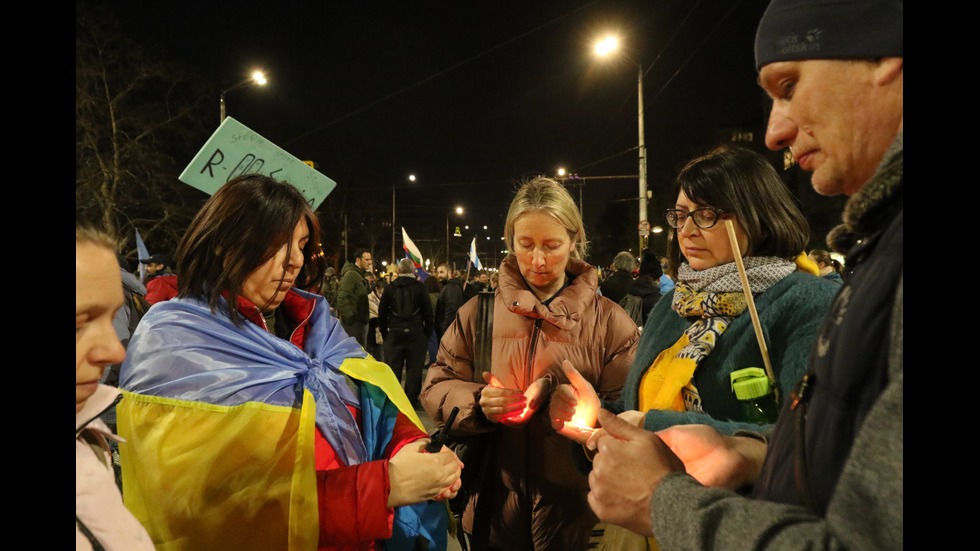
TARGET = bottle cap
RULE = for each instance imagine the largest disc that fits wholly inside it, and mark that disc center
(750, 383)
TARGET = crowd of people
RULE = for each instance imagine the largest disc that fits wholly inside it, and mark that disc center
(266, 402)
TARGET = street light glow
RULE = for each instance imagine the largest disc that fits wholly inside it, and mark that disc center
(411, 177)
(259, 78)
(607, 45)
(459, 210)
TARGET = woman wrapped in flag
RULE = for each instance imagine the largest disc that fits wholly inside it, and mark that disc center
(252, 420)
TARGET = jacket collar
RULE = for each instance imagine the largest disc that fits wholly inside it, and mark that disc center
(565, 309)
(105, 396)
(296, 308)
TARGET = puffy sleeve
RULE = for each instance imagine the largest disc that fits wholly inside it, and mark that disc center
(621, 339)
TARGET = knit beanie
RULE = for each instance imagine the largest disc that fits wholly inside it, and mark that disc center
(829, 29)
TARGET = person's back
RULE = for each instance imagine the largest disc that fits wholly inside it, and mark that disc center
(405, 314)
(615, 286)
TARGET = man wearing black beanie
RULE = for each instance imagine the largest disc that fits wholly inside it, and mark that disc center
(831, 473)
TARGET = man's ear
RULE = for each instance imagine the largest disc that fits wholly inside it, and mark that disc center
(888, 70)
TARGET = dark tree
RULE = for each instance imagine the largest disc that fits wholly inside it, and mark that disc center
(137, 124)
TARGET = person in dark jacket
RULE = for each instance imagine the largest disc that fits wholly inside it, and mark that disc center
(615, 286)
(433, 286)
(405, 320)
(450, 298)
(352, 296)
(835, 73)
(646, 286)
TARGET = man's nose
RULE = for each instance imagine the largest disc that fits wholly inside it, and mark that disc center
(781, 130)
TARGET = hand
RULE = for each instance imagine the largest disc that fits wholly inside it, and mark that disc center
(714, 459)
(574, 406)
(627, 470)
(633, 417)
(416, 476)
(510, 406)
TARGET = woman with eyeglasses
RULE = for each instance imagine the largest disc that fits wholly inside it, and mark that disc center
(702, 331)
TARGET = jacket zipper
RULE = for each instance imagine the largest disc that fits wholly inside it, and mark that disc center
(530, 357)
(301, 324)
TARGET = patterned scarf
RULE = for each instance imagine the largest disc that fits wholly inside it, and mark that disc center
(715, 297)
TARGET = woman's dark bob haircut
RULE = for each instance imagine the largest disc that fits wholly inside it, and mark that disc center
(744, 184)
(240, 227)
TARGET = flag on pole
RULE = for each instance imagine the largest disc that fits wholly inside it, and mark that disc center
(473, 258)
(411, 251)
(142, 255)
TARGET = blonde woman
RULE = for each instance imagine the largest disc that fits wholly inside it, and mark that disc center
(546, 313)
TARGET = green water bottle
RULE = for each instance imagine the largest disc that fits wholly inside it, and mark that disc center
(754, 390)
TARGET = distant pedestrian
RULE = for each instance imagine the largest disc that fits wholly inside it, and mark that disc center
(450, 298)
(615, 286)
(405, 320)
(352, 296)
(161, 282)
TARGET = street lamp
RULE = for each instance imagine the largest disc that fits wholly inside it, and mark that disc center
(411, 178)
(459, 210)
(603, 48)
(257, 78)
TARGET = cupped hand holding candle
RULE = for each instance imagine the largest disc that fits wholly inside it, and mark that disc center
(511, 406)
(574, 406)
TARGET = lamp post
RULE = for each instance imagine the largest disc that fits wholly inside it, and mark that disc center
(257, 78)
(459, 210)
(411, 178)
(604, 48)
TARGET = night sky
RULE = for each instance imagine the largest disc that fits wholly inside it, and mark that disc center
(471, 97)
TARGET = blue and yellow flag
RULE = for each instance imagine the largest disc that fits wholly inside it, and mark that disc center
(219, 422)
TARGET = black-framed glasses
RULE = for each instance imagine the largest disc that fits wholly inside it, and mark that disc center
(704, 217)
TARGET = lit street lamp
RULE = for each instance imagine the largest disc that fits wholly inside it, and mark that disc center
(459, 210)
(606, 47)
(257, 78)
(411, 178)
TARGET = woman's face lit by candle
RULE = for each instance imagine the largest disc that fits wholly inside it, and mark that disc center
(542, 247)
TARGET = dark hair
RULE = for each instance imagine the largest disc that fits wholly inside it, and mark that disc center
(358, 253)
(432, 284)
(821, 256)
(650, 266)
(240, 227)
(743, 183)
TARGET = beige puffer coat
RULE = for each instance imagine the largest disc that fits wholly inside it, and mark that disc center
(530, 341)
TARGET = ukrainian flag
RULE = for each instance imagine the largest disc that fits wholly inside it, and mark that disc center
(219, 420)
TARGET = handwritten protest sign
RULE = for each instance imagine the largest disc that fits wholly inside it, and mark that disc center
(234, 149)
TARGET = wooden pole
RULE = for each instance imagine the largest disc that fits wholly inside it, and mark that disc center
(751, 304)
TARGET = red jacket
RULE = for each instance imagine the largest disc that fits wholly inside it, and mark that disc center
(161, 288)
(353, 500)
